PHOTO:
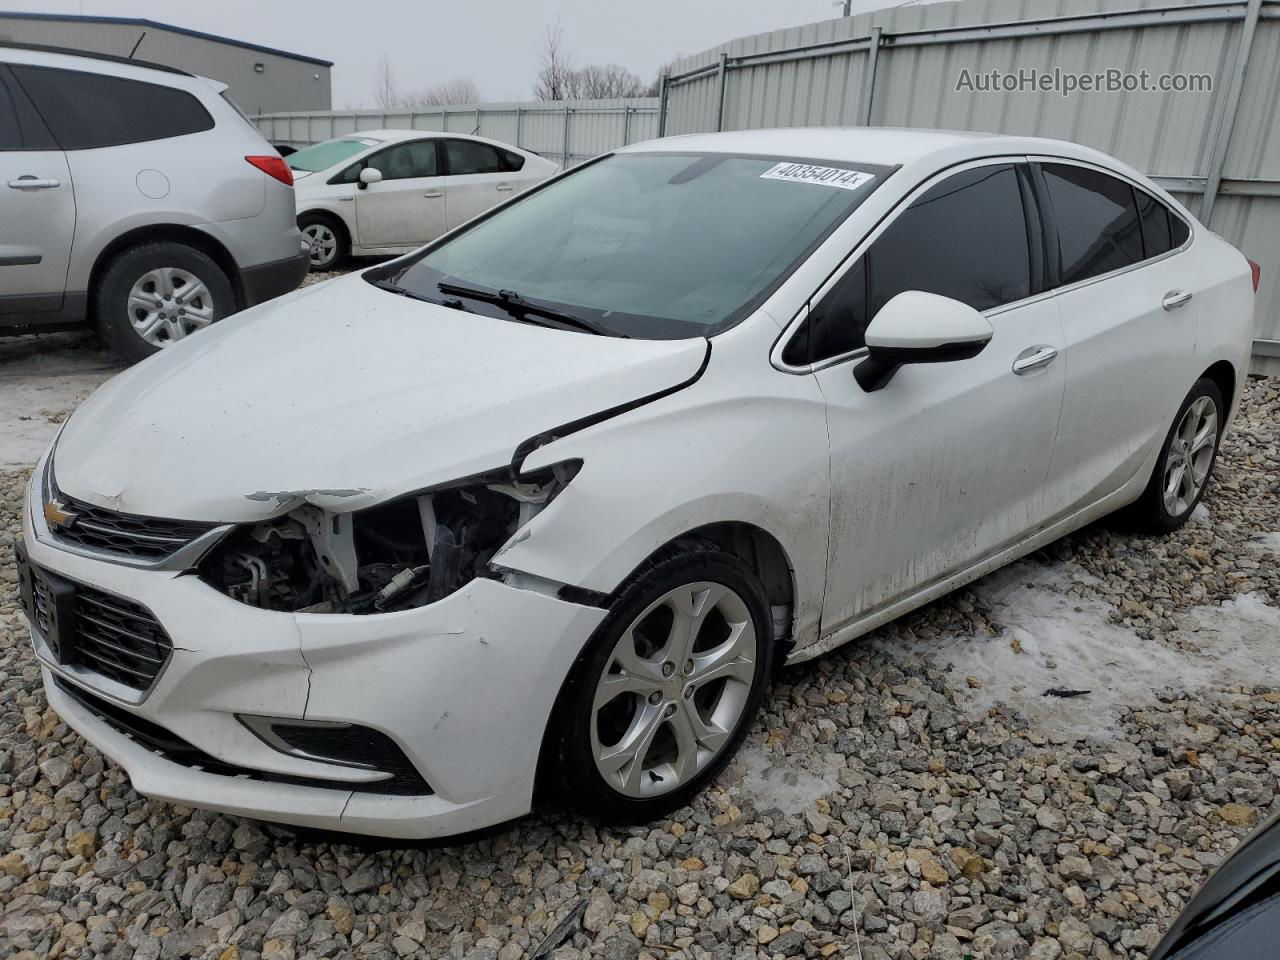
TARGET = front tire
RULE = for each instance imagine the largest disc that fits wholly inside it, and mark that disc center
(1186, 461)
(664, 692)
(329, 244)
(153, 295)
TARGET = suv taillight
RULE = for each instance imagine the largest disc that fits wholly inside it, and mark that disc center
(1257, 273)
(274, 166)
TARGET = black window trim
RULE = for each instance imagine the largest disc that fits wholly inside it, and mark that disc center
(795, 326)
(1041, 209)
(1051, 229)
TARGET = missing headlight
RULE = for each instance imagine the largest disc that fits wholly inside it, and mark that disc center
(406, 553)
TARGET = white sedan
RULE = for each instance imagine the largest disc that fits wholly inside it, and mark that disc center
(390, 191)
(546, 504)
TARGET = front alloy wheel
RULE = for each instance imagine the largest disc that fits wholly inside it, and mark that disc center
(675, 688)
(663, 693)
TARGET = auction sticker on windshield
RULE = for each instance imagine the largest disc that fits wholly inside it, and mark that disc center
(808, 173)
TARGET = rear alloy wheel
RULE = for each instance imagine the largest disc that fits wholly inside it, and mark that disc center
(155, 295)
(666, 689)
(1186, 461)
(328, 243)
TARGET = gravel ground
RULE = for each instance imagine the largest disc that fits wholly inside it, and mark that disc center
(914, 795)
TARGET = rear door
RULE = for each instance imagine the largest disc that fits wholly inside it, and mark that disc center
(945, 465)
(478, 176)
(37, 208)
(1128, 307)
(406, 208)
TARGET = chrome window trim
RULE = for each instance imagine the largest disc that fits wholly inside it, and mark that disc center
(789, 331)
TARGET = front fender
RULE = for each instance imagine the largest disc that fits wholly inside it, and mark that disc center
(704, 455)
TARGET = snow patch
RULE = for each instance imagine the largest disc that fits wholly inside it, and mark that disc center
(1266, 543)
(1201, 516)
(769, 781)
(1054, 640)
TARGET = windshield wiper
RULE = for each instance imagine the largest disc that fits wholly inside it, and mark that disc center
(396, 288)
(521, 308)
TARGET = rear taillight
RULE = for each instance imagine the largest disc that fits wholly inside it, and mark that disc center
(274, 166)
(1257, 274)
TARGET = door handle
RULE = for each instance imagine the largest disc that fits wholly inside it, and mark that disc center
(34, 183)
(434, 193)
(1175, 299)
(1033, 358)
(503, 187)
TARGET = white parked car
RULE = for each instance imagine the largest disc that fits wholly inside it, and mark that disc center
(546, 504)
(391, 191)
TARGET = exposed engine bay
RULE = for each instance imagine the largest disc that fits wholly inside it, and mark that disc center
(406, 553)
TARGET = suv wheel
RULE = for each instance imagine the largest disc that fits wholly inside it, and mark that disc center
(154, 295)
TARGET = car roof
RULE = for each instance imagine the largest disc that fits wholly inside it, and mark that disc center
(884, 146)
(90, 55)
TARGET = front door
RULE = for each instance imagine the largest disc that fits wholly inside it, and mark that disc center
(945, 465)
(406, 208)
(37, 208)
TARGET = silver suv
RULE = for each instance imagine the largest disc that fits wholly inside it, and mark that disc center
(135, 197)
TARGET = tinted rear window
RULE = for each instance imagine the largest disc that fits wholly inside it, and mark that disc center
(87, 110)
(1155, 225)
(1098, 226)
(467, 156)
(20, 126)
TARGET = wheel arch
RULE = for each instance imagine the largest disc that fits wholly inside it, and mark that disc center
(1223, 375)
(333, 216)
(165, 233)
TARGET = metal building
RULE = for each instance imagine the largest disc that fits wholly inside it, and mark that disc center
(260, 79)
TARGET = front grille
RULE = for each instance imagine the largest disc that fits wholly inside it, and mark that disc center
(140, 538)
(117, 638)
(158, 740)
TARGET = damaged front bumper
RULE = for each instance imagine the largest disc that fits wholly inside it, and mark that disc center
(463, 686)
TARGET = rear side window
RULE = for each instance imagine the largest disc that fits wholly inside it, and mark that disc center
(1155, 217)
(20, 126)
(965, 238)
(513, 160)
(87, 110)
(468, 156)
(1098, 226)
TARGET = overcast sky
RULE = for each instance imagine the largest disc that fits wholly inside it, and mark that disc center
(493, 42)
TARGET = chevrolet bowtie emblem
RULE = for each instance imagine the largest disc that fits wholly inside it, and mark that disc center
(57, 517)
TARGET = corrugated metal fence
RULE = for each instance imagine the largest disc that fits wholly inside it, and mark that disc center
(569, 131)
(1218, 149)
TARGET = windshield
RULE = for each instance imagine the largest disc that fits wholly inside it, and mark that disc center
(322, 156)
(648, 245)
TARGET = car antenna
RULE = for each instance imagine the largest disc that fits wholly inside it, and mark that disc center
(137, 45)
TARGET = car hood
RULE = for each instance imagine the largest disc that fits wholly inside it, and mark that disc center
(342, 395)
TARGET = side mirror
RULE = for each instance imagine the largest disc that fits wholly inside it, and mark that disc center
(918, 327)
(370, 175)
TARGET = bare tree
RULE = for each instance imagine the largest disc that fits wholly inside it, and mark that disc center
(385, 93)
(555, 78)
(457, 90)
(608, 81)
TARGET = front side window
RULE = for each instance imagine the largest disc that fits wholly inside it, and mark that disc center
(964, 238)
(330, 153)
(649, 245)
(1098, 225)
(468, 156)
(88, 110)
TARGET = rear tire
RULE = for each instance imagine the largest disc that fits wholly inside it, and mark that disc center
(328, 239)
(153, 295)
(665, 690)
(1185, 465)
